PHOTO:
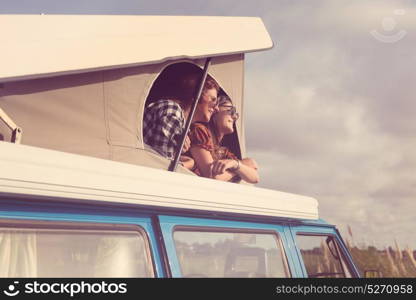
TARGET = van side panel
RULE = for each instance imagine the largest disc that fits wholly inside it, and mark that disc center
(49, 216)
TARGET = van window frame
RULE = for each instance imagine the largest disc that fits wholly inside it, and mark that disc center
(54, 213)
(316, 230)
(80, 227)
(171, 223)
(340, 256)
(276, 236)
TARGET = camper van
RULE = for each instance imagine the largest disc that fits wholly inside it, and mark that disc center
(81, 195)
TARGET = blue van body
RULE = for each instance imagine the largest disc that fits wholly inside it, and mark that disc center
(159, 226)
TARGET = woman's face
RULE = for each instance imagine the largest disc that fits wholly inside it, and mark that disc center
(225, 118)
(207, 105)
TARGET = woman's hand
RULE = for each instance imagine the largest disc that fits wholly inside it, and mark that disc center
(187, 162)
(246, 169)
(218, 167)
(249, 162)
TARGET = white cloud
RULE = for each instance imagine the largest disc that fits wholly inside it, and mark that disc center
(331, 115)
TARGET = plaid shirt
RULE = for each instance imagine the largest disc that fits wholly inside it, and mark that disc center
(163, 125)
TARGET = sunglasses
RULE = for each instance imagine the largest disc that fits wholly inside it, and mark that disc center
(232, 111)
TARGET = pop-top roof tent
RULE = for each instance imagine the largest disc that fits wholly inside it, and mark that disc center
(113, 61)
(79, 83)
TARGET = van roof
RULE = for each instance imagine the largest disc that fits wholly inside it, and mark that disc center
(34, 172)
(47, 45)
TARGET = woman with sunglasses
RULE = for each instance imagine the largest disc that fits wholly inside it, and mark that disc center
(213, 160)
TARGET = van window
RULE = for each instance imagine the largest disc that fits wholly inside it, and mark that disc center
(322, 257)
(26, 252)
(203, 253)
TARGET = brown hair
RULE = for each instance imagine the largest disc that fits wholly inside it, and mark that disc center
(223, 98)
(179, 82)
(210, 83)
(188, 88)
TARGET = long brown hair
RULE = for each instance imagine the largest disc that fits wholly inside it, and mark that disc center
(179, 82)
(189, 84)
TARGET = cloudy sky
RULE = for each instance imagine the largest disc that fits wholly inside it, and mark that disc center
(329, 111)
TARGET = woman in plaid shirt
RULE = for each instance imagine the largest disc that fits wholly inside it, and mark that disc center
(164, 119)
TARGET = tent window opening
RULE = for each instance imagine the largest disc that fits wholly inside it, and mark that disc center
(169, 100)
(173, 84)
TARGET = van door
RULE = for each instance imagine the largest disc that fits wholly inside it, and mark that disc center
(199, 247)
(45, 244)
(322, 253)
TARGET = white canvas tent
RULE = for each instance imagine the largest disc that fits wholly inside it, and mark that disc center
(79, 84)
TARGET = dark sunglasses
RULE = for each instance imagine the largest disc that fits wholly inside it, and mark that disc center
(232, 111)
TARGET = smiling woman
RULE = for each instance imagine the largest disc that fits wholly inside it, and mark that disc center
(214, 160)
(168, 106)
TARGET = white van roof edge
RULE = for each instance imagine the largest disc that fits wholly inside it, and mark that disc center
(31, 171)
